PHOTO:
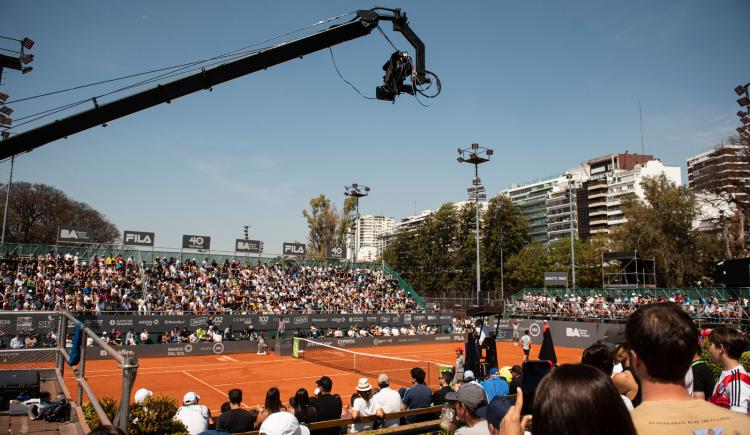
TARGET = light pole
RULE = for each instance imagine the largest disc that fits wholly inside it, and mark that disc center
(7, 196)
(476, 155)
(357, 191)
(571, 186)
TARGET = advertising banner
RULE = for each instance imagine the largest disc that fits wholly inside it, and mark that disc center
(249, 246)
(196, 242)
(74, 235)
(336, 252)
(138, 238)
(555, 279)
(294, 249)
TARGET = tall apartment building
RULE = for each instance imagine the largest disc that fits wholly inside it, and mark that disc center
(724, 167)
(596, 188)
(532, 199)
(721, 170)
(368, 228)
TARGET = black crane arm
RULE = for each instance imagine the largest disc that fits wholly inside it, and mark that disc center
(363, 24)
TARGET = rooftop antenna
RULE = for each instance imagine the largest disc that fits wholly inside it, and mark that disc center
(640, 115)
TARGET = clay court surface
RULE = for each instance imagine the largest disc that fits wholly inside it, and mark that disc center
(212, 376)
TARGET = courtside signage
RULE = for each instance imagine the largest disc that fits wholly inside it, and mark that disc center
(196, 242)
(294, 248)
(77, 235)
(138, 238)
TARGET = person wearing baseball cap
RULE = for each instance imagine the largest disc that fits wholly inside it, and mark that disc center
(494, 412)
(195, 417)
(469, 399)
(142, 394)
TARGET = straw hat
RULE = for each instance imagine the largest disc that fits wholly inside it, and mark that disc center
(363, 385)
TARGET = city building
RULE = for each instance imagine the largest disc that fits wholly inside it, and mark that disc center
(531, 198)
(367, 244)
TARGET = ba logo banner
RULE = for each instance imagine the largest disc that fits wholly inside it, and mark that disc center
(78, 235)
(294, 249)
(251, 246)
(196, 242)
(138, 238)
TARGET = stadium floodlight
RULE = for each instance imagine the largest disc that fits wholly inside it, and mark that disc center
(744, 101)
(27, 69)
(6, 110)
(27, 43)
(745, 120)
(740, 89)
(356, 191)
(740, 130)
(4, 120)
(476, 156)
(3, 97)
(26, 58)
(5, 134)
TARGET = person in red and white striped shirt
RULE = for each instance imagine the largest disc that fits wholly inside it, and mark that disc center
(733, 388)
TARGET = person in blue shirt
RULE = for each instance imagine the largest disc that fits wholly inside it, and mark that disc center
(494, 385)
(418, 396)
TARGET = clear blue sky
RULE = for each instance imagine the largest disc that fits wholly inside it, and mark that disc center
(547, 84)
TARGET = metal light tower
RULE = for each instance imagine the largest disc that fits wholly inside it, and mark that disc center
(357, 191)
(476, 155)
(571, 186)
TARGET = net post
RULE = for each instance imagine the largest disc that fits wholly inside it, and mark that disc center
(81, 372)
(61, 339)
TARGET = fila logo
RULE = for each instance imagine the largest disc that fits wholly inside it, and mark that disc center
(294, 249)
(138, 238)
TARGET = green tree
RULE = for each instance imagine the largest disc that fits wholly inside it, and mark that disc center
(662, 227)
(322, 223)
(36, 211)
(504, 230)
(527, 267)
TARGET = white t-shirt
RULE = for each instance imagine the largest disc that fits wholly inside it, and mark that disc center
(389, 401)
(194, 417)
(526, 342)
(364, 410)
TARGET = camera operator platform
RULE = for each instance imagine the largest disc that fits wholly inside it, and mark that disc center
(481, 350)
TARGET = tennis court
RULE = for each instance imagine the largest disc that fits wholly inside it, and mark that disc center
(212, 376)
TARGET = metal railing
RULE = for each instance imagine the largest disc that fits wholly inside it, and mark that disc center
(691, 292)
(62, 357)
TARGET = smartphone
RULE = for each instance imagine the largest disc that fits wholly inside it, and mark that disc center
(532, 374)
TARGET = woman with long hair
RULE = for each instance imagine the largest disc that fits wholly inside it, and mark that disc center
(304, 412)
(271, 405)
(573, 399)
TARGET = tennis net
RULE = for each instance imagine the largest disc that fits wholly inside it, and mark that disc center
(397, 369)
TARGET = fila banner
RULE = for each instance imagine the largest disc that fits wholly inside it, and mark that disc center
(138, 238)
(251, 246)
(196, 242)
(74, 235)
(294, 249)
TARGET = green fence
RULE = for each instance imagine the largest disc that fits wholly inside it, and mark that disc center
(693, 293)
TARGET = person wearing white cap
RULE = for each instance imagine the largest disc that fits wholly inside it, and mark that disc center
(195, 417)
(386, 401)
(282, 423)
(362, 406)
(142, 395)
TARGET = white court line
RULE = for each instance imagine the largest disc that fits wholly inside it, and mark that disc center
(223, 393)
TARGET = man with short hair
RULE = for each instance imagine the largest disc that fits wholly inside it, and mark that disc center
(438, 397)
(386, 401)
(662, 340)
(328, 406)
(195, 417)
(418, 396)
(495, 411)
(235, 419)
(469, 399)
(526, 344)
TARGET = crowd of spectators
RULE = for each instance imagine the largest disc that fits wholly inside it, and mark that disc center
(605, 307)
(171, 286)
